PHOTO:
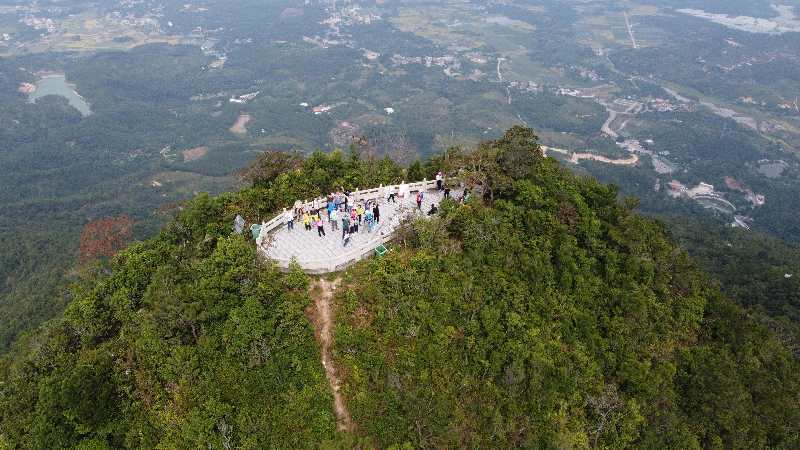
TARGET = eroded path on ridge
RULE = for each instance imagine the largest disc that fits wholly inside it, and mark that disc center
(322, 317)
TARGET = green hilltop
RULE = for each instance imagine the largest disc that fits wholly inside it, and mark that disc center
(545, 313)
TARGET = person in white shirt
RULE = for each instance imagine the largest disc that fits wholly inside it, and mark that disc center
(390, 194)
(289, 217)
(403, 191)
(334, 219)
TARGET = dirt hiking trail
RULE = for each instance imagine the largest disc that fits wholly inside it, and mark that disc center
(322, 317)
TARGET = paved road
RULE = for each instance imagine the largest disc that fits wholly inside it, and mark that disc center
(630, 30)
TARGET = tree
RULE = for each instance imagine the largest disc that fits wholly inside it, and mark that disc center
(104, 238)
(264, 169)
(495, 165)
(415, 171)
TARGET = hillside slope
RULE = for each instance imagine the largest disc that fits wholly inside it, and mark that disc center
(555, 317)
(542, 313)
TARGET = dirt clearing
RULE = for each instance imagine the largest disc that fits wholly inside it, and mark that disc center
(240, 126)
(193, 154)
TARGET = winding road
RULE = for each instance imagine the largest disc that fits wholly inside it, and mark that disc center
(576, 157)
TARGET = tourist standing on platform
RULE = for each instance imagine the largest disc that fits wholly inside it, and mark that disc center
(464, 197)
(403, 192)
(420, 196)
(307, 220)
(331, 207)
(353, 221)
(345, 224)
(334, 219)
(377, 213)
(289, 216)
(320, 227)
(446, 192)
(360, 212)
(390, 197)
(439, 181)
(370, 219)
(345, 237)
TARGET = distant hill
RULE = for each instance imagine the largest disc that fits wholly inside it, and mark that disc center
(543, 312)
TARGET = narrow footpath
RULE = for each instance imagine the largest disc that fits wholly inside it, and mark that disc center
(322, 317)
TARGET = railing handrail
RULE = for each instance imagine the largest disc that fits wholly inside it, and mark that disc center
(357, 195)
(354, 195)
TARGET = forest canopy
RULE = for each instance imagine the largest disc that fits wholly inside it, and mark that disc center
(543, 312)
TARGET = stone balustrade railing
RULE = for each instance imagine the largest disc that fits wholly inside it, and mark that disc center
(350, 256)
(355, 196)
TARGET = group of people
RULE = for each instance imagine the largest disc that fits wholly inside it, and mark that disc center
(337, 210)
(442, 186)
(369, 213)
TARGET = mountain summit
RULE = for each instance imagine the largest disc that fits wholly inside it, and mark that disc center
(539, 312)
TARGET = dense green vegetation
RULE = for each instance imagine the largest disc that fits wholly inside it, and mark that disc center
(542, 313)
(150, 103)
(556, 317)
(61, 171)
(601, 334)
(186, 339)
(756, 271)
(182, 344)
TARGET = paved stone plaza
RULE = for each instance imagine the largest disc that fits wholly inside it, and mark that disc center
(317, 254)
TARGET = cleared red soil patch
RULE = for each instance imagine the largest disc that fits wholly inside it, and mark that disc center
(240, 126)
(733, 184)
(194, 153)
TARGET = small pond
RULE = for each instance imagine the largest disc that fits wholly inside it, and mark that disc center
(56, 84)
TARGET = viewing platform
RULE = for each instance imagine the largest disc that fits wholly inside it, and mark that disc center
(324, 254)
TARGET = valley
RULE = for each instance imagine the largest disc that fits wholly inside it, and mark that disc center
(613, 260)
